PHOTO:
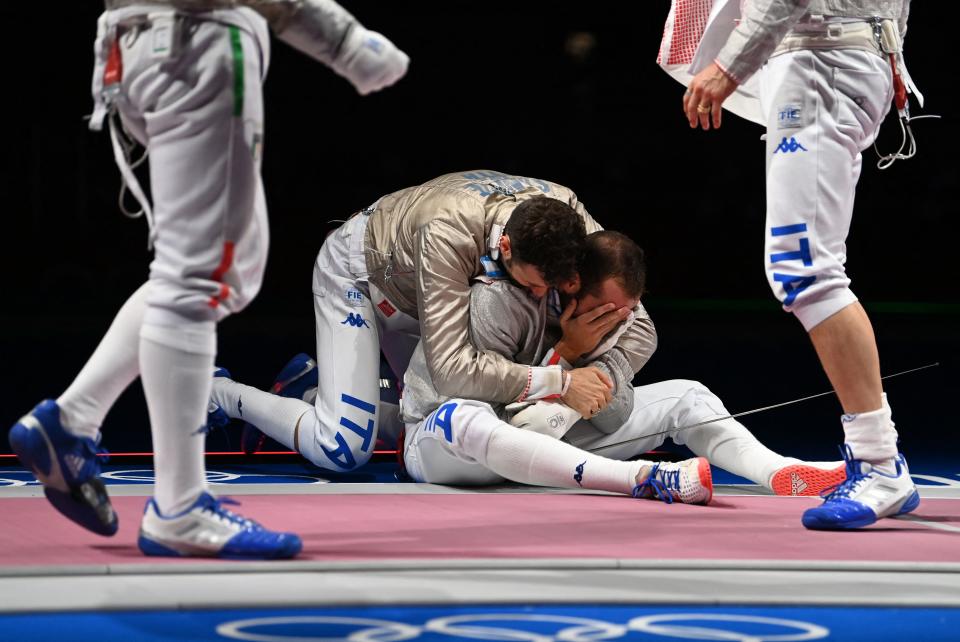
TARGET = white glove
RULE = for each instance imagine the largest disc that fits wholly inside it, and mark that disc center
(550, 418)
(369, 60)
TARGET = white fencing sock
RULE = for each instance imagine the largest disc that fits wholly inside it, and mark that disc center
(274, 415)
(110, 369)
(729, 445)
(872, 437)
(532, 458)
(175, 366)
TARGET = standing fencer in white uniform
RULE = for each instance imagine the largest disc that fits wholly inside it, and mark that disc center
(184, 79)
(828, 70)
(468, 442)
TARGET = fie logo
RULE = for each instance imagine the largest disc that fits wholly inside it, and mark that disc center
(789, 117)
(354, 297)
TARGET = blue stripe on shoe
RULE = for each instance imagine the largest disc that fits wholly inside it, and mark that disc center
(149, 547)
(839, 513)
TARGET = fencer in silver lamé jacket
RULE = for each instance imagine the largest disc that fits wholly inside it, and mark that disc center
(423, 248)
(765, 23)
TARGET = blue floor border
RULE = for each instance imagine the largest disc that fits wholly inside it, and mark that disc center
(535, 623)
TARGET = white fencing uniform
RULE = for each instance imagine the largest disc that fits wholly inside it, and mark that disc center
(345, 423)
(464, 442)
(822, 107)
(827, 71)
(818, 76)
(184, 77)
(204, 140)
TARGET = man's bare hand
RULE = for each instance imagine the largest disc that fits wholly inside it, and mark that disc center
(581, 334)
(705, 95)
(589, 391)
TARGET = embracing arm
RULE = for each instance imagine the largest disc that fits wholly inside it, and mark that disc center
(447, 258)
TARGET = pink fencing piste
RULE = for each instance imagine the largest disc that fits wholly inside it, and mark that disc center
(510, 526)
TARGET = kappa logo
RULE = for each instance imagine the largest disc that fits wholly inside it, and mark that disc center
(355, 320)
(789, 147)
(240, 405)
(578, 475)
(797, 485)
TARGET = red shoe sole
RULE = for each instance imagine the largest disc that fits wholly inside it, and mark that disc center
(706, 478)
(804, 480)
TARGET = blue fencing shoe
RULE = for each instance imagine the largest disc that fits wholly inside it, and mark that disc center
(207, 529)
(294, 380)
(864, 497)
(66, 465)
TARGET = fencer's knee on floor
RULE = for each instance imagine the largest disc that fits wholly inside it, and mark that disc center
(335, 447)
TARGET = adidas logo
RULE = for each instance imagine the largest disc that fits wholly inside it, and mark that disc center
(74, 463)
(797, 485)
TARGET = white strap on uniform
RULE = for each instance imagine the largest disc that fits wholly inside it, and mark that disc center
(101, 106)
(104, 109)
(130, 181)
(907, 80)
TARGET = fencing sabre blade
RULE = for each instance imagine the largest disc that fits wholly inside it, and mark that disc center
(751, 412)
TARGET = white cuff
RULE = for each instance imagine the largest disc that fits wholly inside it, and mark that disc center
(543, 383)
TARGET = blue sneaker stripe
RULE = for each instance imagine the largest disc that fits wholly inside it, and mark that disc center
(912, 503)
(149, 547)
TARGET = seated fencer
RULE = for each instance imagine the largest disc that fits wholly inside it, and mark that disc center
(468, 442)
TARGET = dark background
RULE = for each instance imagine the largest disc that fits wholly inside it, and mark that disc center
(492, 85)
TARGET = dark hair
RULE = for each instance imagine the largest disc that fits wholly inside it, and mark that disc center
(549, 235)
(612, 254)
